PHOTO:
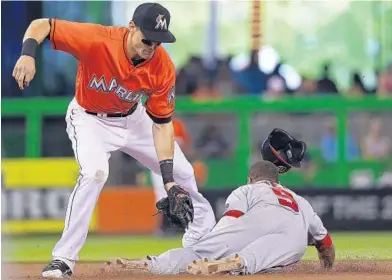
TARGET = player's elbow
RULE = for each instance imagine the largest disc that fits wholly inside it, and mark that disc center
(41, 23)
(38, 29)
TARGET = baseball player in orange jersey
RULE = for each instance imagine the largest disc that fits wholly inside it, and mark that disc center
(117, 67)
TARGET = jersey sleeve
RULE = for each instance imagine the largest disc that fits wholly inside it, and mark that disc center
(316, 226)
(237, 202)
(160, 104)
(74, 38)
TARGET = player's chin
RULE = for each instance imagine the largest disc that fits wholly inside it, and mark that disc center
(146, 54)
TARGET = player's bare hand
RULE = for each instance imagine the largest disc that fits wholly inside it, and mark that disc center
(326, 256)
(24, 71)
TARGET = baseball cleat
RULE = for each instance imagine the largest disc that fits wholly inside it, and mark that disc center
(56, 269)
(130, 264)
(207, 267)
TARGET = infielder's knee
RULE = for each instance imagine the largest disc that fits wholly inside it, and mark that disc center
(97, 175)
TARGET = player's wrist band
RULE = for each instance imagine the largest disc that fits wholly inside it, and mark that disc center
(167, 170)
(325, 243)
(29, 47)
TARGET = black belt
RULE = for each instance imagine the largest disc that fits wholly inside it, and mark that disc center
(114, 115)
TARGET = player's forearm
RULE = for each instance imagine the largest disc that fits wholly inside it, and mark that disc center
(38, 30)
(164, 140)
(164, 146)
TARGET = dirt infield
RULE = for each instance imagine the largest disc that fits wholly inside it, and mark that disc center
(347, 270)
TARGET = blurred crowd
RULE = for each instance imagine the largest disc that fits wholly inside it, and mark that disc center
(223, 81)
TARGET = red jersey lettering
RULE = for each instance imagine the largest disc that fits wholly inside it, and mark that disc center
(286, 199)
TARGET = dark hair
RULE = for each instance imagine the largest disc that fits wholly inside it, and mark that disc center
(264, 170)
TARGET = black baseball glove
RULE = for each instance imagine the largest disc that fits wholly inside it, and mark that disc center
(177, 206)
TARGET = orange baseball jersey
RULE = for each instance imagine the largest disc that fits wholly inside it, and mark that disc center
(107, 81)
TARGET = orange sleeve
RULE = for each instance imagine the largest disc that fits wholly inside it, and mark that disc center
(74, 38)
(160, 104)
(180, 130)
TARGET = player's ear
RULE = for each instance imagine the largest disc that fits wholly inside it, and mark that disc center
(249, 180)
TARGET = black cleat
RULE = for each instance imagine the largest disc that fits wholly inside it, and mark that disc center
(56, 269)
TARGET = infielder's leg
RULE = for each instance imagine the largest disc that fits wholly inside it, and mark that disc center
(158, 186)
(160, 192)
(92, 155)
(141, 146)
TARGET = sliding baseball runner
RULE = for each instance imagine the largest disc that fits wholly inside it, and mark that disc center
(264, 228)
(117, 67)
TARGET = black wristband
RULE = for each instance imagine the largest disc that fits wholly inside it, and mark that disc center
(167, 170)
(29, 47)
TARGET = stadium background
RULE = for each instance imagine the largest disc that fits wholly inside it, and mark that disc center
(321, 70)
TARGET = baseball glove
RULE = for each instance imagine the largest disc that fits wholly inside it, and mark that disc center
(177, 206)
